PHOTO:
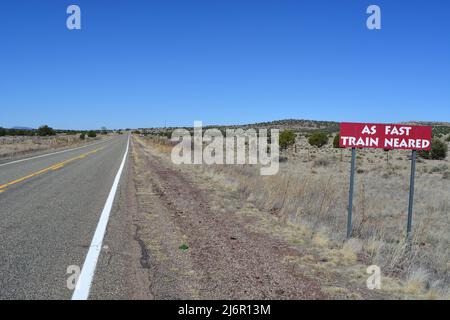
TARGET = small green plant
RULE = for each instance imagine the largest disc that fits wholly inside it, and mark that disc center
(183, 247)
(82, 136)
(287, 138)
(318, 139)
(438, 151)
(92, 134)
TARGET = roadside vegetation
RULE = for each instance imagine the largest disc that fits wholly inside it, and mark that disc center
(306, 204)
(17, 142)
(439, 150)
(318, 139)
(287, 139)
(92, 134)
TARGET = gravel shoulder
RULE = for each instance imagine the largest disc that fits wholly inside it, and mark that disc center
(192, 247)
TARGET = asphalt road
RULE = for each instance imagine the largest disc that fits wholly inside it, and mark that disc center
(49, 210)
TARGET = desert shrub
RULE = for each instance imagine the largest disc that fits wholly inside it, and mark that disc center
(337, 139)
(45, 131)
(318, 139)
(446, 175)
(92, 134)
(2, 132)
(448, 139)
(438, 169)
(438, 151)
(286, 139)
(321, 162)
(83, 136)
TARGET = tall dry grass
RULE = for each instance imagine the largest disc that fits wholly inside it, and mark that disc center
(316, 195)
(11, 147)
(311, 190)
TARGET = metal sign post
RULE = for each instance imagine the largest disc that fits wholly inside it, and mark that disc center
(350, 196)
(411, 195)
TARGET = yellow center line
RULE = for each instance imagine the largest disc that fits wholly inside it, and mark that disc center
(55, 166)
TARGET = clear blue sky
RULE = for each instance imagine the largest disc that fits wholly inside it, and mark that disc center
(146, 63)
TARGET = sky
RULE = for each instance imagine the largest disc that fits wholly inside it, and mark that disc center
(169, 62)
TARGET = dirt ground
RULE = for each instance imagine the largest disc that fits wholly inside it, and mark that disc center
(223, 259)
(199, 241)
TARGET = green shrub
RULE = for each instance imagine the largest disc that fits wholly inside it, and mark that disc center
(336, 141)
(83, 136)
(448, 139)
(287, 138)
(45, 131)
(92, 134)
(2, 132)
(318, 139)
(438, 151)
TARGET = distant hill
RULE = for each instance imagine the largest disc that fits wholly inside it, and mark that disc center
(430, 123)
(300, 126)
(297, 125)
(22, 128)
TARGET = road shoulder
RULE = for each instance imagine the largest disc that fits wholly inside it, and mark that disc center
(119, 274)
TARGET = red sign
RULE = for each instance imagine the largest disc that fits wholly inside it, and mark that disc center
(385, 136)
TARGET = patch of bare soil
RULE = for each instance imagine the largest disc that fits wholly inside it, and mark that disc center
(195, 250)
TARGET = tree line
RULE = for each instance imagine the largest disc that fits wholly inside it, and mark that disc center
(46, 131)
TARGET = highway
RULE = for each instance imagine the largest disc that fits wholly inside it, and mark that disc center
(50, 209)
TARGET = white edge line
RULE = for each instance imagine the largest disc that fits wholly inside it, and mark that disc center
(53, 153)
(87, 272)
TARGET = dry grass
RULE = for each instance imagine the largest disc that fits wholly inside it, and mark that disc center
(11, 147)
(311, 192)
